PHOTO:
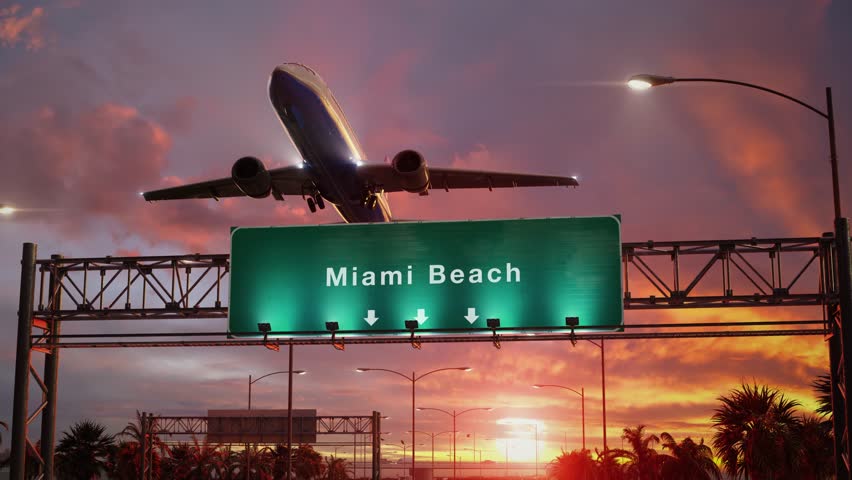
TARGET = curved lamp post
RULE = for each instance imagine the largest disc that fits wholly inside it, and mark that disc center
(413, 379)
(289, 411)
(252, 382)
(841, 338)
(582, 394)
(455, 414)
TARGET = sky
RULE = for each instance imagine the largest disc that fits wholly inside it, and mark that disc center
(103, 99)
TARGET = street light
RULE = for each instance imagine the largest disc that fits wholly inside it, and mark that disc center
(841, 338)
(432, 436)
(251, 382)
(474, 458)
(582, 394)
(455, 414)
(289, 411)
(413, 379)
(403, 447)
(6, 210)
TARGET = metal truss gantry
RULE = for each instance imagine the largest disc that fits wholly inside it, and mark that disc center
(155, 426)
(751, 272)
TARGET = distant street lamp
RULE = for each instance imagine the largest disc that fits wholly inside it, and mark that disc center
(841, 338)
(474, 458)
(432, 436)
(403, 447)
(582, 394)
(6, 210)
(289, 411)
(455, 414)
(413, 379)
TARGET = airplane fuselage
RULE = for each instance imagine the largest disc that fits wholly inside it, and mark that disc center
(331, 152)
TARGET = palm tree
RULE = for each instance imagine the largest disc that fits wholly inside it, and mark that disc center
(688, 460)
(177, 464)
(261, 463)
(822, 387)
(83, 451)
(756, 433)
(610, 460)
(574, 465)
(307, 463)
(133, 430)
(816, 454)
(642, 461)
(337, 469)
(125, 461)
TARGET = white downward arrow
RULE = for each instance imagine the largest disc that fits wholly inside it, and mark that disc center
(421, 316)
(371, 317)
(471, 315)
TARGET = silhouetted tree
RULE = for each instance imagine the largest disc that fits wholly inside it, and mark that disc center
(195, 461)
(822, 387)
(756, 433)
(687, 460)
(83, 451)
(816, 449)
(122, 463)
(307, 463)
(642, 462)
(258, 461)
(573, 465)
(336, 469)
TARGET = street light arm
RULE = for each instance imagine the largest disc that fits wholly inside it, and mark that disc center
(487, 409)
(756, 87)
(297, 372)
(441, 370)
(436, 409)
(410, 379)
(558, 386)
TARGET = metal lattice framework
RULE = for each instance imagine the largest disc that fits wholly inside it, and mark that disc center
(153, 426)
(748, 274)
(657, 275)
(324, 425)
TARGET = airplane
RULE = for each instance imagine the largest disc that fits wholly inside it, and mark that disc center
(333, 168)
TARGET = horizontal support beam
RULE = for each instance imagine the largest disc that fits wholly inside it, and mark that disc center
(447, 339)
(325, 425)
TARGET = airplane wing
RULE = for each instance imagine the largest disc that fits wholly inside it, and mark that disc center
(285, 181)
(450, 178)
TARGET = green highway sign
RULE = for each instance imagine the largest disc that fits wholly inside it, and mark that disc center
(448, 276)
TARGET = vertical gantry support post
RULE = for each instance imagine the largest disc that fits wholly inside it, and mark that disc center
(844, 368)
(51, 368)
(829, 287)
(377, 446)
(290, 412)
(22, 363)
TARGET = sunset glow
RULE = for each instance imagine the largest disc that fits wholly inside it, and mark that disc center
(102, 100)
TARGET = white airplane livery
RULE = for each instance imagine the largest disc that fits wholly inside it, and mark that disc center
(333, 169)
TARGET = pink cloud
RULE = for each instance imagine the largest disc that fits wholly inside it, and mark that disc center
(17, 26)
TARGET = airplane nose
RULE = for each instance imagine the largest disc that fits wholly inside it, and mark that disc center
(279, 83)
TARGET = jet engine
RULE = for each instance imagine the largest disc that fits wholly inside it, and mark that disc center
(410, 167)
(251, 177)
